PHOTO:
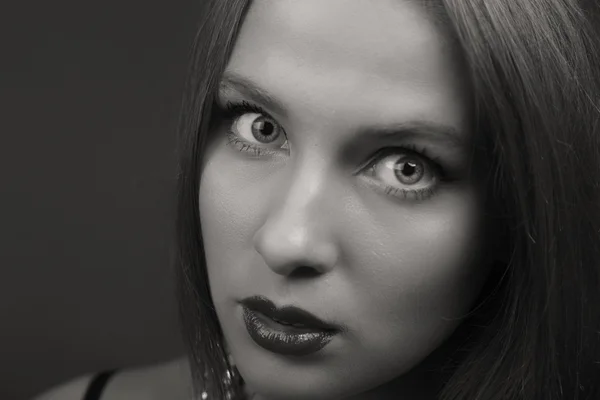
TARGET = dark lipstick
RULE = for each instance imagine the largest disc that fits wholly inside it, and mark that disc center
(287, 330)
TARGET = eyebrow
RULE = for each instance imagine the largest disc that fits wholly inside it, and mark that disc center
(233, 81)
(413, 129)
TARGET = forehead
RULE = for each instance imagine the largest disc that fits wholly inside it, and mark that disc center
(381, 58)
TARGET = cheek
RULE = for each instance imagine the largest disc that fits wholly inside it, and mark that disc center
(415, 271)
(222, 213)
(230, 200)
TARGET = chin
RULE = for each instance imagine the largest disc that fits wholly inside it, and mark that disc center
(290, 386)
(269, 391)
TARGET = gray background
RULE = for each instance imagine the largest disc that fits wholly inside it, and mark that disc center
(89, 97)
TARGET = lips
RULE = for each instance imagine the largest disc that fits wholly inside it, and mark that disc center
(287, 331)
(288, 315)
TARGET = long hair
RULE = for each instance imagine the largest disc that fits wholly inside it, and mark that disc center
(534, 66)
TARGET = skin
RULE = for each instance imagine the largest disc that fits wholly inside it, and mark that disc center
(304, 225)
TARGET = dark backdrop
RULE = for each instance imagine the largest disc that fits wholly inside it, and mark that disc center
(89, 97)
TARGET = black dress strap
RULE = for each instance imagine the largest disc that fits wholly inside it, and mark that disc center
(97, 385)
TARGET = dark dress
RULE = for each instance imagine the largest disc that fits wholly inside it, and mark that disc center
(97, 385)
(99, 381)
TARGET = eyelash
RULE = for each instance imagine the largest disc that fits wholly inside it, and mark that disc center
(235, 110)
(411, 194)
(231, 111)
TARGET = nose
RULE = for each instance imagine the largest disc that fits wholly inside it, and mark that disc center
(297, 236)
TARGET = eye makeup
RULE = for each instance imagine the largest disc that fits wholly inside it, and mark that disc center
(383, 177)
(232, 113)
(412, 159)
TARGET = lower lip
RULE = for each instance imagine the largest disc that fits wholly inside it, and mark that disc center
(282, 339)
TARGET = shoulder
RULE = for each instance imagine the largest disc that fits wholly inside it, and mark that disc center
(70, 390)
(168, 380)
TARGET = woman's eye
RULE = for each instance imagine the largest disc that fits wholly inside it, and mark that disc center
(404, 173)
(258, 130)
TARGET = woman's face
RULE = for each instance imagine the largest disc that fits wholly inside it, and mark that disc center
(339, 182)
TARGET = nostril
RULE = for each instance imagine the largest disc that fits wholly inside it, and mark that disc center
(304, 272)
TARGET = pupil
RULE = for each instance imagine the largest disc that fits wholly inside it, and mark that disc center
(265, 128)
(409, 168)
(408, 172)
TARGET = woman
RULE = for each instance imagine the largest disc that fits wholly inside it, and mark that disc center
(392, 199)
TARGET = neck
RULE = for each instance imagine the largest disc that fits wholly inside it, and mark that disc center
(421, 383)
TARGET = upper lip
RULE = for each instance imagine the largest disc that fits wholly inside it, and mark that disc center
(289, 314)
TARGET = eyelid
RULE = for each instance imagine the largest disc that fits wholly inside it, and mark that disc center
(244, 107)
(234, 111)
(410, 149)
(245, 87)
